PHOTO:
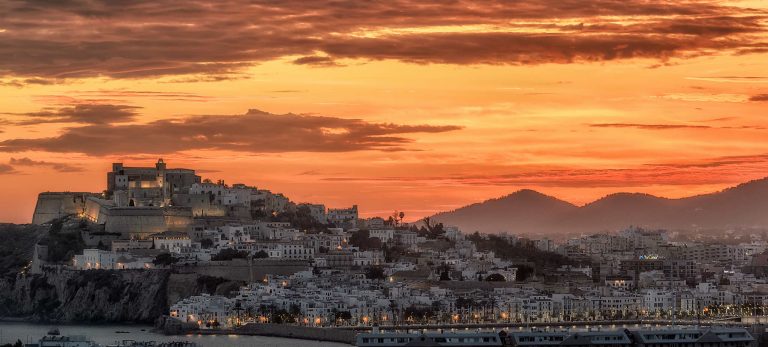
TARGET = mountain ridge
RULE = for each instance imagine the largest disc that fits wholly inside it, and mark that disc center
(527, 211)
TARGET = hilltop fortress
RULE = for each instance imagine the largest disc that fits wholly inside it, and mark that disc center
(141, 201)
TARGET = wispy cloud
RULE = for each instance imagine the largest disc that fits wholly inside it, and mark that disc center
(20, 83)
(82, 113)
(6, 169)
(649, 126)
(732, 79)
(714, 170)
(60, 167)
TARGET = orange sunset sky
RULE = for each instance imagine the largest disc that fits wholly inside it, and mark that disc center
(419, 106)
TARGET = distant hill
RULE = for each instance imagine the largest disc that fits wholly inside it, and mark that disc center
(530, 212)
(525, 210)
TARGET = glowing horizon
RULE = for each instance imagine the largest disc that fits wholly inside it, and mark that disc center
(413, 106)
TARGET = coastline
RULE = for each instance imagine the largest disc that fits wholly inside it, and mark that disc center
(343, 335)
(324, 334)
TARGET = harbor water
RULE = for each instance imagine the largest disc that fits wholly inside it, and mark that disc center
(10, 332)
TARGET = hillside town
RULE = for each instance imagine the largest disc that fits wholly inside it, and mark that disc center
(305, 264)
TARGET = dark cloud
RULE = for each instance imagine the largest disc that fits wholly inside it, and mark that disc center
(61, 167)
(19, 83)
(84, 113)
(209, 78)
(254, 132)
(718, 119)
(316, 61)
(154, 38)
(759, 97)
(738, 77)
(287, 91)
(649, 126)
(6, 169)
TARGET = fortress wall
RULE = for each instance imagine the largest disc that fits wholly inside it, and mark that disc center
(52, 205)
(299, 332)
(200, 204)
(177, 219)
(96, 209)
(135, 221)
(239, 270)
(140, 222)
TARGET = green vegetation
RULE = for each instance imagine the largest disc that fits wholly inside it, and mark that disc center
(18, 343)
(229, 254)
(363, 240)
(495, 278)
(430, 229)
(64, 240)
(165, 259)
(523, 272)
(17, 247)
(209, 284)
(375, 273)
(301, 218)
(342, 315)
(507, 250)
(420, 314)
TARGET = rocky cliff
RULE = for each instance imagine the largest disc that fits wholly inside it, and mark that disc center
(55, 294)
(98, 296)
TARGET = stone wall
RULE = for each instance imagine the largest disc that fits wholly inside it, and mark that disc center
(96, 209)
(140, 222)
(299, 332)
(239, 270)
(52, 205)
(137, 222)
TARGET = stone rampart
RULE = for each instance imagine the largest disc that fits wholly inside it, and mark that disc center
(240, 270)
(52, 205)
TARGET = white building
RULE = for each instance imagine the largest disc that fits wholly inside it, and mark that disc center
(317, 211)
(206, 311)
(172, 241)
(385, 235)
(96, 259)
(342, 216)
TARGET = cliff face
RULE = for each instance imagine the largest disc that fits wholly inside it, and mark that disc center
(53, 294)
(98, 296)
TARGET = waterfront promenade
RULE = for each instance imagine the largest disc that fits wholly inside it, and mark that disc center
(346, 334)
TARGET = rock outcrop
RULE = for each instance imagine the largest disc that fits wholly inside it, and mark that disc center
(77, 296)
(36, 283)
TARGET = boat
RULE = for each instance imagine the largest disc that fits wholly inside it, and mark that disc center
(437, 338)
(133, 343)
(57, 340)
(54, 331)
(650, 337)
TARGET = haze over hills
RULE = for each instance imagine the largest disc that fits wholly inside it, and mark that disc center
(530, 212)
